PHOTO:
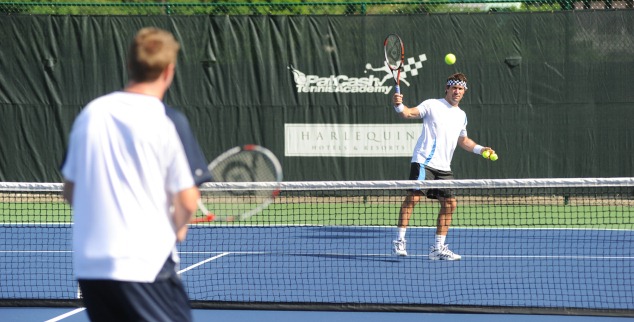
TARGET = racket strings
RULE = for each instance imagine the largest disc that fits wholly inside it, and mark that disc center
(246, 164)
(393, 52)
(243, 166)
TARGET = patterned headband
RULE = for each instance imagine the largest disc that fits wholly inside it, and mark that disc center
(452, 82)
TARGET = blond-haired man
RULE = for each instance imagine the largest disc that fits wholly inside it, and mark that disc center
(127, 178)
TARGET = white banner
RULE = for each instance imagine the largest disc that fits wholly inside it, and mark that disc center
(350, 140)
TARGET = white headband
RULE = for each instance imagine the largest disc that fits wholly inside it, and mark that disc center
(452, 82)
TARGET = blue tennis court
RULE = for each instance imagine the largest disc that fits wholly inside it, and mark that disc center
(353, 265)
(75, 315)
(78, 315)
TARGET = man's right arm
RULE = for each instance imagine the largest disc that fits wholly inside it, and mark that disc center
(69, 189)
(402, 110)
(185, 205)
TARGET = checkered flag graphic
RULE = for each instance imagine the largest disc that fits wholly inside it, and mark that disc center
(413, 65)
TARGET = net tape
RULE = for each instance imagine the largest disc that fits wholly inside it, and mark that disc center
(383, 184)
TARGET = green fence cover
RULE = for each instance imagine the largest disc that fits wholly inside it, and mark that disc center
(550, 92)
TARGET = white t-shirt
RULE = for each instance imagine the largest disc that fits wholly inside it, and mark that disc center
(443, 124)
(126, 162)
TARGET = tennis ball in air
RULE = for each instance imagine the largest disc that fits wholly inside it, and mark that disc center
(450, 59)
(493, 157)
(486, 154)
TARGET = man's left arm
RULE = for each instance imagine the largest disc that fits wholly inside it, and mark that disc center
(471, 146)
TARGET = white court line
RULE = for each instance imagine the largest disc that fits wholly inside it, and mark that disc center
(73, 312)
(65, 315)
(580, 257)
(206, 225)
(552, 257)
(203, 262)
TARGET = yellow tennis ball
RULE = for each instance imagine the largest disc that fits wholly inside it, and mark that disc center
(493, 157)
(486, 154)
(450, 59)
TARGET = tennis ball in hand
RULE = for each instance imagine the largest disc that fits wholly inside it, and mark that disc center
(486, 154)
(450, 59)
(493, 157)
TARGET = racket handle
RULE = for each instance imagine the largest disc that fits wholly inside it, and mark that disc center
(209, 217)
(397, 89)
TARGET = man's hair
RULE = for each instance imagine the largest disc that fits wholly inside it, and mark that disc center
(150, 52)
(457, 77)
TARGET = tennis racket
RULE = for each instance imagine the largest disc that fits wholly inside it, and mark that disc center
(246, 181)
(394, 56)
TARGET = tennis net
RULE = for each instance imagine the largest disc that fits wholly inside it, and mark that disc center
(560, 246)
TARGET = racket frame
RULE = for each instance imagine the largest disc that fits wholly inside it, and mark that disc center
(396, 70)
(209, 216)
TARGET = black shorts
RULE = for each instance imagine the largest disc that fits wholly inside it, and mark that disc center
(163, 300)
(415, 173)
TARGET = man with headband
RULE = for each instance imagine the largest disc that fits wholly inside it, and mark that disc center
(444, 127)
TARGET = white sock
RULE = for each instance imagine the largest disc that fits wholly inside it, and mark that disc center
(401, 233)
(440, 240)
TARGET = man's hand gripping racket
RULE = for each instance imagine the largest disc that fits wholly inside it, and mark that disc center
(246, 181)
(394, 56)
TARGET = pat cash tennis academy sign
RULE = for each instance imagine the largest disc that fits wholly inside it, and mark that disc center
(352, 140)
(349, 84)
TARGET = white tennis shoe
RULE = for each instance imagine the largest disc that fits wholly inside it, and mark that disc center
(442, 253)
(399, 247)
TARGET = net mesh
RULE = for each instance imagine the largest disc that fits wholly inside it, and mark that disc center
(547, 244)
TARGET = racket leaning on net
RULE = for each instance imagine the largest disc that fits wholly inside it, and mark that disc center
(394, 56)
(246, 180)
